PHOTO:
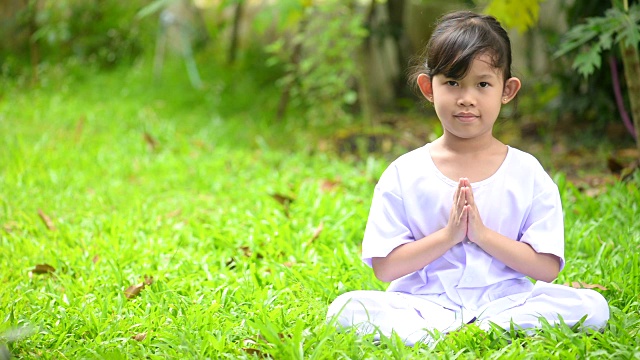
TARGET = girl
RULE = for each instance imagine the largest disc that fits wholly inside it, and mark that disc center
(458, 225)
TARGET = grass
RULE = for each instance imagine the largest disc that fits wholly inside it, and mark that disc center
(248, 231)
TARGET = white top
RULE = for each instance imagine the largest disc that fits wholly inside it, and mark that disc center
(413, 199)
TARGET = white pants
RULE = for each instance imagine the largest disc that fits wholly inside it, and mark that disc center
(412, 317)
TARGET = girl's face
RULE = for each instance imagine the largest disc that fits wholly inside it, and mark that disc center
(468, 107)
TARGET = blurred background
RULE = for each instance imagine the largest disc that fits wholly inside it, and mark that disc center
(339, 68)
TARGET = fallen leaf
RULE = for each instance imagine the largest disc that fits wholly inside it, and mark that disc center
(80, 127)
(328, 185)
(151, 141)
(133, 290)
(46, 220)
(283, 199)
(139, 336)
(252, 350)
(10, 226)
(246, 251)
(581, 285)
(316, 233)
(95, 259)
(43, 269)
(173, 214)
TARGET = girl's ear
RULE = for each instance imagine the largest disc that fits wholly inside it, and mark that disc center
(424, 83)
(511, 88)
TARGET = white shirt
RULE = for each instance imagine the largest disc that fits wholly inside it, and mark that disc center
(413, 199)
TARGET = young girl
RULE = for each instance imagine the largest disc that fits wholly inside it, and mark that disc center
(458, 225)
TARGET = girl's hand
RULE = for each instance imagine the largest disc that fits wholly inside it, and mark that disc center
(459, 216)
(475, 226)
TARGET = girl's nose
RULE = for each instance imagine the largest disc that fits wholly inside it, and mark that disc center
(466, 99)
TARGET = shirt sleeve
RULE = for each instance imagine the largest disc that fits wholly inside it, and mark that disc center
(387, 225)
(543, 228)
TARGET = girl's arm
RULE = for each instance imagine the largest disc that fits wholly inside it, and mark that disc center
(412, 256)
(517, 255)
(415, 255)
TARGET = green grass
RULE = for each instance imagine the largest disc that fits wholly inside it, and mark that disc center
(236, 273)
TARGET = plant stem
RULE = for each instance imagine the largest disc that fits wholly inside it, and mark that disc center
(617, 91)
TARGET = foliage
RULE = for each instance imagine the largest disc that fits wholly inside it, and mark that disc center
(152, 181)
(599, 34)
(319, 57)
(98, 31)
(519, 15)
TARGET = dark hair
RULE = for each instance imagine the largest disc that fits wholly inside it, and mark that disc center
(459, 38)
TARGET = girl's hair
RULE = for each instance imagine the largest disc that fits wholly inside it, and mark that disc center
(459, 38)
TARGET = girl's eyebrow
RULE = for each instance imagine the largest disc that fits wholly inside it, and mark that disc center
(486, 76)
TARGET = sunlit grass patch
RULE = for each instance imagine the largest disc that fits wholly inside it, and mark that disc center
(247, 232)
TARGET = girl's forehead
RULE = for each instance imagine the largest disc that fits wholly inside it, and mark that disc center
(481, 67)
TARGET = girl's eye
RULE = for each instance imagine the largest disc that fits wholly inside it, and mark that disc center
(484, 84)
(452, 83)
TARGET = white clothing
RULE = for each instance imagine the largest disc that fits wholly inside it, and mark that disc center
(413, 199)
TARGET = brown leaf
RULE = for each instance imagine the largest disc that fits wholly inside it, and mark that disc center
(316, 233)
(10, 226)
(246, 250)
(581, 285)
(151, 141)
(95, 259)
(173, 214)
(133, 290)
(43, 269)
(252, 350)
(139, 336)
(283, 199)
(80, 126)
(148, 280)
(328, 185)
(46, 220)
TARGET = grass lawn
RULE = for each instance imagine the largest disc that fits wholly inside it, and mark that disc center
(244, 232)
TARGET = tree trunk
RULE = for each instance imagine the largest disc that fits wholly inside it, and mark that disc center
(237, 17)
(631, 62)
(396, 10)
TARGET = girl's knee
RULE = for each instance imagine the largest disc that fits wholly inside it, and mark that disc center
(345, 303)
(598, 310)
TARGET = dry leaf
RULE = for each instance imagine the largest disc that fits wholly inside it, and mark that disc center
(10, 226)
(246, 251)
(133, 291)
(46, 220)
(283, 199)
(316, 233)
(43, 269)
(581, 285)
(151, 141)
(80, 127)
(95, 259)
(253, 350)
(328, 185)
(173, 214)
(139, 336)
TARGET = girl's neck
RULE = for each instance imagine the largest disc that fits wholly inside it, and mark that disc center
(457, 145)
